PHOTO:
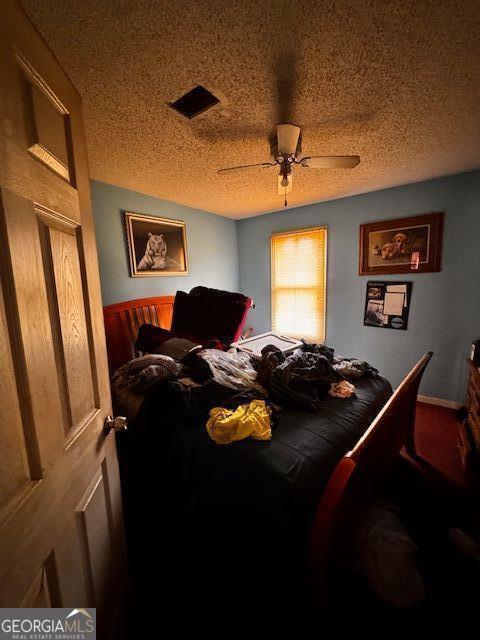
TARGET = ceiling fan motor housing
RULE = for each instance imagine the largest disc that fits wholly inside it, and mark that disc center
(286, 166)
(277, 155)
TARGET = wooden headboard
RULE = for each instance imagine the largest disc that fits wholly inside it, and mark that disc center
(123, 319)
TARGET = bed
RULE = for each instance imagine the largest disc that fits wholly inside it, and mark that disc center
(250, 504)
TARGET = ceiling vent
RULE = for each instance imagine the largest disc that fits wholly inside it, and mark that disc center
(194, 102)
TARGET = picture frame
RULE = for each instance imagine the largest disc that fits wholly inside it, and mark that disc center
(402, 245)
(156, 246)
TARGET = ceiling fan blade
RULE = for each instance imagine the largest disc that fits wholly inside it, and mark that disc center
(284, 190)
(243, 167)
(330, 162)
(287, 138)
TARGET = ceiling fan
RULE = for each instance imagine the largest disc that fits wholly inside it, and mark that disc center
(285, 150)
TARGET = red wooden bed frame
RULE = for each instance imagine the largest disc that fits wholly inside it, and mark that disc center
(358, 477)
(123, 319)
(359, 472)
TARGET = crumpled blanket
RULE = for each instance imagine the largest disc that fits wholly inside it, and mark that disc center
(232, 369)
(388, 557)
(322, 349)
(247, 420)
(271, 358)
(353, 368)
(141, 374)
(128, 403)
(302, 380)
(188, 400)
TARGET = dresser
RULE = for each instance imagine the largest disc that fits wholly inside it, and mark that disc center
(473, 417)
(469, 435)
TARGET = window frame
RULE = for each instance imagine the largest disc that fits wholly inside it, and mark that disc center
(290, 232)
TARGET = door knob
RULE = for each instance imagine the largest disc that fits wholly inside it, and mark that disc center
(118, 424)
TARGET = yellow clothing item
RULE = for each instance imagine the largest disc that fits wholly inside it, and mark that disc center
(253, 419)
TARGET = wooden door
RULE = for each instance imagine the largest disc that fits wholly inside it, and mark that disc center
(61, 524)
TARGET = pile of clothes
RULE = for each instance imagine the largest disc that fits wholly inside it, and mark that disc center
(301, 379)
(240, 395)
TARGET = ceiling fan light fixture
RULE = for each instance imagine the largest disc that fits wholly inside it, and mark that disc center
(285, 185)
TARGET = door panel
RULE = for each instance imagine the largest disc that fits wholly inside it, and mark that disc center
(70, 563)
(23, 168)
(40, 393)
(14, 477)
(69, 294)
(61, 521)
(95, 523)
(42, 588)
(47, 125)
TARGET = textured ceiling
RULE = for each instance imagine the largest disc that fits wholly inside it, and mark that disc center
(396, 82)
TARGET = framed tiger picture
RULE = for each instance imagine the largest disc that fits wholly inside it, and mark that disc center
(156, 246)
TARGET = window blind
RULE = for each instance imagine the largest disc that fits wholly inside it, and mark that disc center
(299, 283)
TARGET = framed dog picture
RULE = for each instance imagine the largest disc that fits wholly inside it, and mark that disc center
(156, 246)
(404, 245)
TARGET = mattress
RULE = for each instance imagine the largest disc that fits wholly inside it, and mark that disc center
(251, 500)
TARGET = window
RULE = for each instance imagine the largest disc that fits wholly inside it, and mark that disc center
(299, 261)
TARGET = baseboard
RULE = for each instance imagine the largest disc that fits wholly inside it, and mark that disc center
(439, 402)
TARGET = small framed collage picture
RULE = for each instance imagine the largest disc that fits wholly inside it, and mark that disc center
(387, 304)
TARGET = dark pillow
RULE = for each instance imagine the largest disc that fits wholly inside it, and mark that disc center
(150, 337)
(210, 313)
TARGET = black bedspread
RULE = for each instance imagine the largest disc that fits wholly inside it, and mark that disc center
(249, 503)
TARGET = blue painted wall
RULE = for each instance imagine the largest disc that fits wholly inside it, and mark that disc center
(445, 307)
(211, 240)
(223, 253)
